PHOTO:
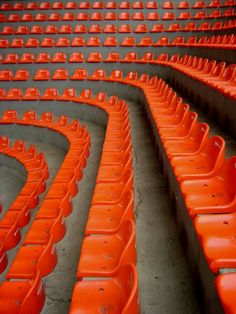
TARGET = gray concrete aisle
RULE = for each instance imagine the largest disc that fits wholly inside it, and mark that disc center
(165, 284)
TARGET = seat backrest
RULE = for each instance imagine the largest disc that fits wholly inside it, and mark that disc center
(128, 282)
(201, 133)
(228, 173)
(215, 149)
(219, 68)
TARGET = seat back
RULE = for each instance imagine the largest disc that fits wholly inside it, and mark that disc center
(128, 281)
(215, 149)
(201, 133)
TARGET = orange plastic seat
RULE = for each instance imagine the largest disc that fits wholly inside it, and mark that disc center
(110, 42)
(11, 58)
(71, 5)
(199, 15)
(47, 42)
(84, 5)
(44, 6)
(95, 29)
(119, 294)
(21, 75)
(168, 16)
(22, 295)
(78, 42)
(214, 195)
(93, 42)
(199, 5)
(183, 5)
(124, 28)
(36, 29)
(42, 75)
(32, 43)
(51, 29)
(97, 5)
(124, 5)
(141, 28)
(174, 27)
(6, 7)
(98, 259)
(138, 5)
(7, 30)
(50, 94)
(97, 75)
(13, 18)
(79, 74)
(153, 16)
(26, 17)
(31, 6)
(41, 17)
(128, 42)
(130, 57)
(76, 57)
(183, 16)
(96, 16)
(31, 94)
(65, 29)
(14, 94)
(94, 57)
(157, 28)
(43, 57)
(110, 16)
(151, 5)
(167, 5)
(146, 58)
(139, 16)
(63, 42)
(82, 16)
(59, 57)
(225, 284)
(162, 41)
(60, 75)
(191, 26)
(54, 17)
(16, 43)
(6, 75)
(202, 165)
(112, 57)
(124, 16)
(109, 29)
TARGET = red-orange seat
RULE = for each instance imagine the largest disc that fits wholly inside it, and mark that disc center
(43, 57)
(167, 5)
(111, 5)
(21, 75)
(173, 27)
(96, 16)
(94, 57)
(130, 57)
(42, 75)
(153, 16)
(16, 43)
(65, 29)
(199, 15)
(138, 5)
(54, 17)
(97, 5)
(214, 195)
(82, 16)
(36, 29)
(145, 42)
(124, 16)
(11, 58)
(32, 43)
(31, 94)
(183, 5)
(51, 29)
(184, 16)
(14, 94)
(63, 42)
(199, 5)
(78, 42)
(124, 28)
(22, 295)
(79, 74)
(97, 259)
(128, 42)
(168, 16)
(84, 5)
(110, 16)
(124, 5)
(7, 30)
(112, 57)
(225, 284)
(76, 57)
(157, 28)
(6, 75)
(110, 42)
(110, 29)
(59, 57)
(191, 26)
(47, 42)
(41, 17)
(6, 7)
(162, 41)
(151, 5)
(71, 5)
(50, 94)
(93, 42)
(44, 6)
(13, 18)
(204, 164)
(146, 58)
(119, 293)
(139, 16)
(95, 29)
(141, 28)
(60, 74)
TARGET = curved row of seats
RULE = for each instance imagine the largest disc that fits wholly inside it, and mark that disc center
(72, 5)
(82, 29)
(97, 16)
(37, 256)
(119, 229)
(220, 41)
(17, 215)
(216, 75)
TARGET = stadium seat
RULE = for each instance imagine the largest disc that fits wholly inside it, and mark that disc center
(94, 57)
(110, 42)
(11, 58)
(112, 57)
(60, 74)
(43, 57)
(26, 58)
(79, 74)
(59, 57)
(124, 281)
(76, 57)
(51, 29)
(21, 75)
(42, 75)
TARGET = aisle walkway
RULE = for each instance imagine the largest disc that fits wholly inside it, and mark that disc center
(164, 280)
